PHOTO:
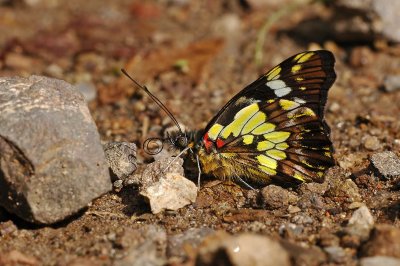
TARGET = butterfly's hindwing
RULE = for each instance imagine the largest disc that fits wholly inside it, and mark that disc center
(274, 128)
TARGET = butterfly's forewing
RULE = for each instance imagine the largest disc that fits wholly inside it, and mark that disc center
(274, 127)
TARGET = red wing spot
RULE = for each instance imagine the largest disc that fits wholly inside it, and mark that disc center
(207, 142)
(220, 143)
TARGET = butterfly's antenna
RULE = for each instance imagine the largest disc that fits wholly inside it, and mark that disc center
(155, 99)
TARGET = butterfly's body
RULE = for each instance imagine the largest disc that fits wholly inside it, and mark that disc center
(272, 130)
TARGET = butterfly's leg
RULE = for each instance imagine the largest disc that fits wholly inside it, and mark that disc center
(174, 159)
(244, 182)
(198, 166)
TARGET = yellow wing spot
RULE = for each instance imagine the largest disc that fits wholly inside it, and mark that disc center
(267, 170)
(296, 68)
(298, 56)
(328, 154)
(214, 131)
(274, 73)
(239, 120)
(299, 79)
(263, 129)
(299, 176)
(276, 154)
(282, 146)
(320, 174)
(288, 105)
(307, 163)
(303, 112)
(254, 122)
(302, 88)
(305, 57)
(267, 161)
(277, 136)
(265, 145)
(248, 139)
(271, 101)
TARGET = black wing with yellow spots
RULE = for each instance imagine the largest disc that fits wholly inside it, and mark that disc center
(274, 129)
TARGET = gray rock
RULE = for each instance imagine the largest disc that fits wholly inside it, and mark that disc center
(244, 250)
(145, 246)
(386, 164)
(336, 254)
(384, 241)
(391, 83)
(364, 20)
(51, 161)
(379, 261)
(360, 223)
(177, 244)
(121, 158)
(302, 218)
(289, 230)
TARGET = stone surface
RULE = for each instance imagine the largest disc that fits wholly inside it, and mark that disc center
(51, 161)
(386, 164)
(145, 246)
(244, 250)
(340, 187)
(300, 255)
(336, 254)
(360, 223)
(171, 192)
(121, 158)
(364, 20)
(178, 244)
(384, 241)
(380, 261)
(391, 83)
(274, 197)
(163, 185)
(14, 257)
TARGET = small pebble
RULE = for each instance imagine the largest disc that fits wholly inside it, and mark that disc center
(121, 158)
(391, 83)
(386, 164)
(88, 90)
(302, 219)
(274, 197)
(244, 249)
(171, 192)
(293, 209)
(360, 223)
(379, 261)
(336, 254)
(289, 230)
(371, 142)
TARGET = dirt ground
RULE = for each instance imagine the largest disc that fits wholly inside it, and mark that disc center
(195, 55)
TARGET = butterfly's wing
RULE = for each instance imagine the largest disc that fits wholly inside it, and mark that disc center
(274, 128)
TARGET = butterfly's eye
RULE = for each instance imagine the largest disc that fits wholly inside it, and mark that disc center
(182, 141)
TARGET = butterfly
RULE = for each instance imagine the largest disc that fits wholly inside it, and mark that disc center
(271, 131)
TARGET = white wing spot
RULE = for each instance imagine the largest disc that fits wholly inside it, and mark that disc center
(279, 86)
(276, 84)
(283, 91)
(299, 100)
